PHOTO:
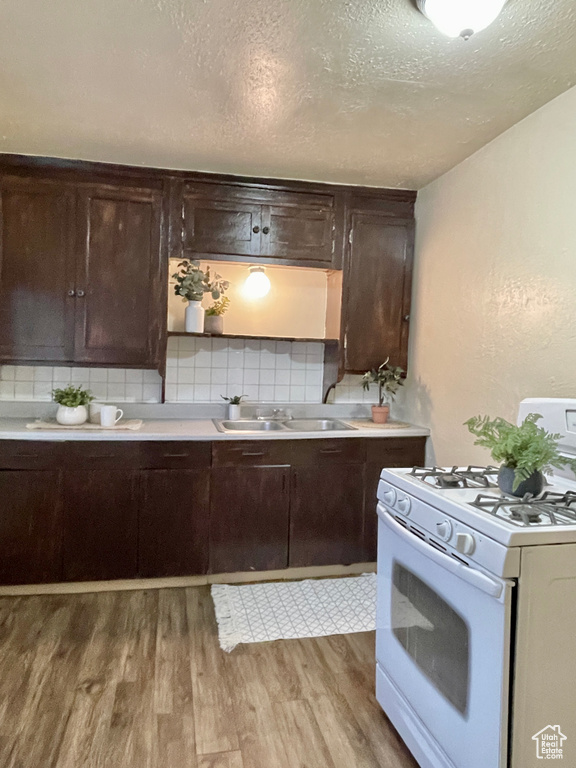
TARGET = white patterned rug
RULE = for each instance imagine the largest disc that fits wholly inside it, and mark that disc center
(254, 613)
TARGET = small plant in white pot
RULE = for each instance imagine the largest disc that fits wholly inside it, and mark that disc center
(213, 321)
(234, 405)
(525, 452)
(72, 403)
(389, 379)
(192, 282)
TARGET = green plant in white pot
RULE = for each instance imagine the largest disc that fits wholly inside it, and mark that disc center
(525, 452)
(389, 379)
(214, 321)
(234, 405)
(72, 403)
(192, 282)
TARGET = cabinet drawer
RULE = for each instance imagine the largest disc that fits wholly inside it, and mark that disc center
(329, 450)
(175, 454)
(396, 452)
(251, 453)
(30, 454)
(102, 454)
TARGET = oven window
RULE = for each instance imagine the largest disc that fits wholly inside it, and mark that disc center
(433, 634)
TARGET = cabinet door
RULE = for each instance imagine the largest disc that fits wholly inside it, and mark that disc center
(100, 524)
(174, 520)
(299, 228)
(326, 515)
(217, 221)
(36, 270)
(377, 291)
(249, 519)
(388, 452)
(119, 276)
(30, 527)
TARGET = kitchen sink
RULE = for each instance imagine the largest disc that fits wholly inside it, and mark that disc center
(316, 425)
(247, 425)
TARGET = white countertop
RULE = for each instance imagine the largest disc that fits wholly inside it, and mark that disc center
(192, 429)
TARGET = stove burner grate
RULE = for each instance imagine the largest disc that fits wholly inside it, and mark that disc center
(457, 477)
(548, 508)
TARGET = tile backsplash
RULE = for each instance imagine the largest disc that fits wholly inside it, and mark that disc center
(199, 370)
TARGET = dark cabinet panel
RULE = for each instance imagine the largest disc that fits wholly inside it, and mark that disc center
(30, 527)
(249, 519)
(174, 523)
(377, 291)
(298, 230)
(118, 279)
(100, 524)
(401, 452)
(326, 515)
(36, 270)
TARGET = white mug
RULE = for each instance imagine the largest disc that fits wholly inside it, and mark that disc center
(108, 415)
(95, 409)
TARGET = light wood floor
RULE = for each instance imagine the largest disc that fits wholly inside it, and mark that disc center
(138, 680)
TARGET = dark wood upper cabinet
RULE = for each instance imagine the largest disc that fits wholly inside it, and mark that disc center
(237, 223)
(377, 290)
(119, 276)
(36, 270)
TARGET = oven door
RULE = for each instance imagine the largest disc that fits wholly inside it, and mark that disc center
(442, 651)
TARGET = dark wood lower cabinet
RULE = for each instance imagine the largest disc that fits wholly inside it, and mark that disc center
(100, 524)
(30, 527)
(249, 519)
(174, 523)
(326, 515)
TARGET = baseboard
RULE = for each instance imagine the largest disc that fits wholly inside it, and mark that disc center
(121, 585)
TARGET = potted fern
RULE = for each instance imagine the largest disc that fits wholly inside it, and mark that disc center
(192, 282)
(72, 403)
(526, 452)
(213, 321)
(389, 379)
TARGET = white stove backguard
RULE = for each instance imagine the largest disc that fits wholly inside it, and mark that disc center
(559, 417)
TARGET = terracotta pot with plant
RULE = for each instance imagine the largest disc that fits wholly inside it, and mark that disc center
(192, 283)
(213, 321)
(525, 452)
(72, 403)
(389, 379)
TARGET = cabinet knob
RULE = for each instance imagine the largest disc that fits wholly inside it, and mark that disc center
(265, 230)
(71, 292)
(406, 318)
(80, 294)
(256, 229)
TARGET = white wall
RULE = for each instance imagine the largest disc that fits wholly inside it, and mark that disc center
(494, 314)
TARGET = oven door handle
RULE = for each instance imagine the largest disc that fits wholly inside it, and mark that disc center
(490, 585)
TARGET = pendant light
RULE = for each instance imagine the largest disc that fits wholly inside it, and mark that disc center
(461, 18)
(257, 283)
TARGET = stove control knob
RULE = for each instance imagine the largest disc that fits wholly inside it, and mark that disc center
(389, 496)
(404, 505)
(465, 543)
(444, 529)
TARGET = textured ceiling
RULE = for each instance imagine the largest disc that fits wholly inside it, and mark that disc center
(352, 91)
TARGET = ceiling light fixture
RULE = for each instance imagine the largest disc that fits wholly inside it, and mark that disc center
(257, 283)
(461, 18)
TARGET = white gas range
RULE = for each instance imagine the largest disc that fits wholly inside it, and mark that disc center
(476, 627)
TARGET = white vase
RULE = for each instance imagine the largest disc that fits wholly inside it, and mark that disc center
(71, 417)
(195, 317)
(234, 412)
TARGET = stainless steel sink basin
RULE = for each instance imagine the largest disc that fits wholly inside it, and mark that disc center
(316, 425)
(247, 425)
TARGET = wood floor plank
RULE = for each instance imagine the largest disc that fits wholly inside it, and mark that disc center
(138, 680)
(223, 760)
